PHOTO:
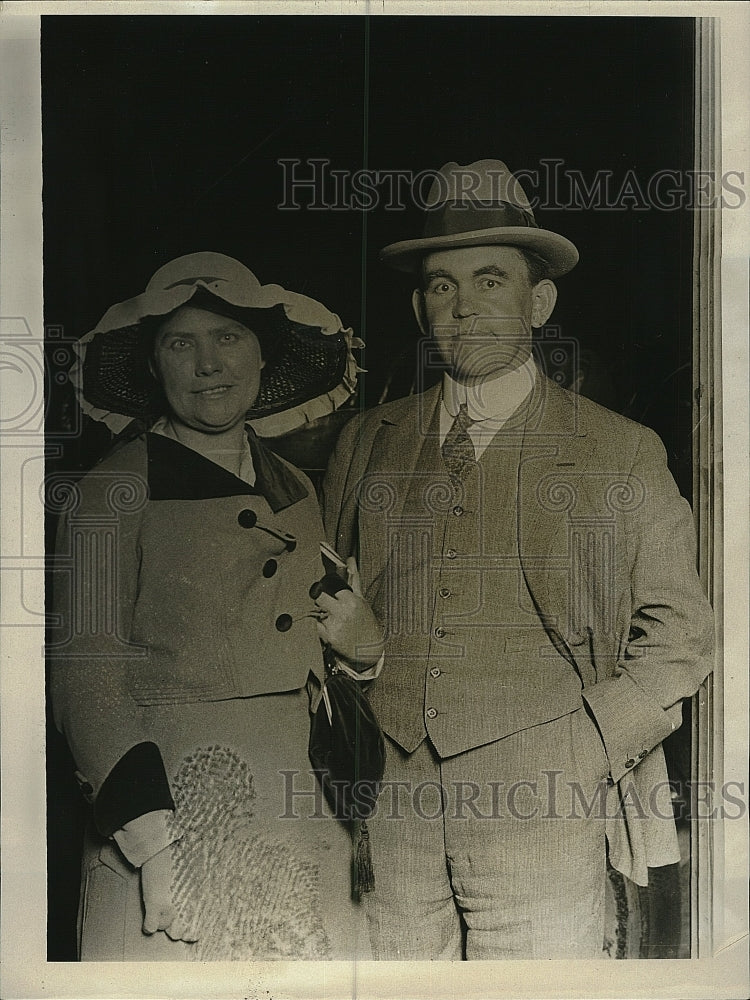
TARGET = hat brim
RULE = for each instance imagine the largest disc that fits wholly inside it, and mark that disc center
(561, 255)
(313, 371)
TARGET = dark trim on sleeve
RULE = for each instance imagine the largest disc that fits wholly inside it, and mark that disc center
(137, 784)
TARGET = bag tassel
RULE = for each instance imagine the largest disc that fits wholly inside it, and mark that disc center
(363, 860)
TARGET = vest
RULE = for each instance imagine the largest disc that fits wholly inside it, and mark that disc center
(467, 658)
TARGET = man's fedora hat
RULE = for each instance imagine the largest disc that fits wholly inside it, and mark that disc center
(481, 204)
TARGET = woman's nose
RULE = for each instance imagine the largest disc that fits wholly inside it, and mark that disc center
(207, 362)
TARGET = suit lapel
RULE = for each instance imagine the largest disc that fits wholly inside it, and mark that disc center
(399, 442)
(385, 489)
(554, 455)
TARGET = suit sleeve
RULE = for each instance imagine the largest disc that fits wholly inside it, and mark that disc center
(669, 649)
(338, 492)
(94, 582)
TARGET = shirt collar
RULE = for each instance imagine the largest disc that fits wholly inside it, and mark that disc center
(495, 398)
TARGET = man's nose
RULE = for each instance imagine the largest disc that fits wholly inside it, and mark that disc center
(464, 304)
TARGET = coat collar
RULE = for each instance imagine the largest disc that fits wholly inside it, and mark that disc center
(176, 472)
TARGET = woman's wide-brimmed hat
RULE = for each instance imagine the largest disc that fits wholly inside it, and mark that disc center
(309, 366)
(481, 204)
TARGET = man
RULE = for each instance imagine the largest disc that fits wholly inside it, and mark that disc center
(533, 565)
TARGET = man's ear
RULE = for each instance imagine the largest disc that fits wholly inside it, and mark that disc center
(543, 299)
(417, 304)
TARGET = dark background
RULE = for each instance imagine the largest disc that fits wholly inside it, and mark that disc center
(162, 135)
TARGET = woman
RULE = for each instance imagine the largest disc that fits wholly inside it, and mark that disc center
(182, 688)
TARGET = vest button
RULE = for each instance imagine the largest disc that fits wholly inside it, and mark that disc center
(451, 553)
(431, 713)
(444, 592)
(630, 763)
(439, 632)
(269, 568)
(458, 510)
(435, 672)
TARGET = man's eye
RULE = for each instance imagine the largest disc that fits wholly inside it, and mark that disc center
(442, 288)
(228, 338)
(491, 282)
(178, 344)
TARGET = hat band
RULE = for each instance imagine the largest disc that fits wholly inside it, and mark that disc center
(454, 217)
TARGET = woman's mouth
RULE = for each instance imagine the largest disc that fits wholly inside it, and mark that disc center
(213, 391)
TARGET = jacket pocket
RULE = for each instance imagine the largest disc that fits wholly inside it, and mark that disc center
(536, 643)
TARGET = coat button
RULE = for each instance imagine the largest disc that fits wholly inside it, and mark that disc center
(630, 762)
(269, 567)
(444, 592)
(458, 510)
(284, 623)
(439, 632)
(431, 713)
(435, 672)
(247, 518)
(451, 553)
(85, 786)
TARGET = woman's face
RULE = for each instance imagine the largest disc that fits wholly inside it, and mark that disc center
(209, 367)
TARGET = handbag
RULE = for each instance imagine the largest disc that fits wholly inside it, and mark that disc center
(347, 752)
(347, 748)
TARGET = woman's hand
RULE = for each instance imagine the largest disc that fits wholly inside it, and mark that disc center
(156, 890)
(349, 624)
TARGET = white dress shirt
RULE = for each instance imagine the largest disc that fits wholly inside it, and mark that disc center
(489, 403)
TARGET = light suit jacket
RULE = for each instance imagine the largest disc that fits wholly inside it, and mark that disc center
(633, 622)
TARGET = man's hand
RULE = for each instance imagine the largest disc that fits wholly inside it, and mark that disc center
(349, 624)
(156, 889)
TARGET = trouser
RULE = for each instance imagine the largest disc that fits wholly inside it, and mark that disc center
(495, 853)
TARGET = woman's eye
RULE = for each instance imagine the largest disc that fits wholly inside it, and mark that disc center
(228, 338)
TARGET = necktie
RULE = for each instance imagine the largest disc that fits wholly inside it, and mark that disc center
(458, 449)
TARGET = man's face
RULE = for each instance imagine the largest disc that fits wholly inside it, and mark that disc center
(209, 367)
(479, 306)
